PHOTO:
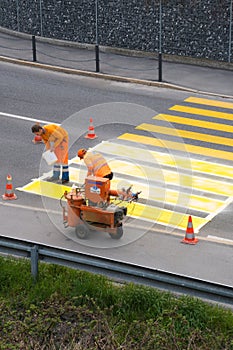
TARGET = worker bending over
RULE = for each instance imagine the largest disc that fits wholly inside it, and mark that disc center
(56, 140)
(96, 164)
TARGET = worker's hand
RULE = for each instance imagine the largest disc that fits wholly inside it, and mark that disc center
(52, 149)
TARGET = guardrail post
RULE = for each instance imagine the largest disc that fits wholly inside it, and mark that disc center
(34, 48)
(34, 262)
(160, 66)
(97, 58)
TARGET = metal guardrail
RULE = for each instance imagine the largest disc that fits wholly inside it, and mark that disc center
(119, 271)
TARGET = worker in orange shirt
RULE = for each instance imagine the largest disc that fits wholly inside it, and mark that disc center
(96, 164)
(56, 139)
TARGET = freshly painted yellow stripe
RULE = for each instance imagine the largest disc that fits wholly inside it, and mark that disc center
(186, 134)
(164, 217)
(173, 177)
(77, 175)
(154, 214)
(193, 202)
(173, 160)
(76, 160)
(195, 122)
(172, 197)
(204, 112)
(204, 101)
(177, 146)
(43, 188)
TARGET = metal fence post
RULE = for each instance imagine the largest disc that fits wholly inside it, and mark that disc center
(230, 36)
(97, 58)
(160, 66)
(34, 48)
(17, 11)
(41, 19)
(34, 262)
(160, 41)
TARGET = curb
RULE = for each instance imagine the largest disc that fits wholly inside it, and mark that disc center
(109, 77)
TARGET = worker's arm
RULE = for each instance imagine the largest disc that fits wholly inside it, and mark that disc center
(89, 165)
(58, 137)
(47, 145)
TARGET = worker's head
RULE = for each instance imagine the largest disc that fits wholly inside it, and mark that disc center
(82, 152)
(37, 129)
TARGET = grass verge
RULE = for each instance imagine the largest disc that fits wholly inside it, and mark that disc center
(75, 310)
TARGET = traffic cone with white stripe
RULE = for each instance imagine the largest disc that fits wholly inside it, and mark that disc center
(91, 131)
(9, 194)
(189, 236)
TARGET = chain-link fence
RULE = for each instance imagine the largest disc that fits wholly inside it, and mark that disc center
(194, 28)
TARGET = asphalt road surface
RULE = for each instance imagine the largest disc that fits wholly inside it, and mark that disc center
(120, 110)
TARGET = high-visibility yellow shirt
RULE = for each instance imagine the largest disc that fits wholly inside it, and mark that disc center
(54, 133)
(96, 164)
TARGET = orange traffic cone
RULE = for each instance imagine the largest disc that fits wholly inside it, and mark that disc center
(91, 131)
(9, 194)
(189, 236)
(37, 139)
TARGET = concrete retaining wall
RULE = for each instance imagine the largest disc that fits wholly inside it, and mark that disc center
(189, 28)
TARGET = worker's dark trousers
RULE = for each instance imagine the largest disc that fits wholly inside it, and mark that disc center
(57, 171)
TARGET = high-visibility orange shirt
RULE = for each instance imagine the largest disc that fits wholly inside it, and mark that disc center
(59, 137)
(96, 164)
(54, 133)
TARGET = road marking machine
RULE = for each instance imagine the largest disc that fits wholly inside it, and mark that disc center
(89, 207)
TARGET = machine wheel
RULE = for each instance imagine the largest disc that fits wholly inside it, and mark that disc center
(82, 231)
(118, 234)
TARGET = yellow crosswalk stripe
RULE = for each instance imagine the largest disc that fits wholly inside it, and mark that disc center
(209, 102)
(172, 197)
(186, 134)
(46, 189)
(137, 210)
(170, 145)
(194, 122)
(172, 177)
(165, 159)
(152, 193)
(164, 216)
(202, 112)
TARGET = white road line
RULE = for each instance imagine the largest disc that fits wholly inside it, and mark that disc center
(220, 239)
(26, 118)
(19, 206)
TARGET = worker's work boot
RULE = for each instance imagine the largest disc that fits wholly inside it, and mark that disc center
(56, 174)
(52, 179)
(64, 181)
